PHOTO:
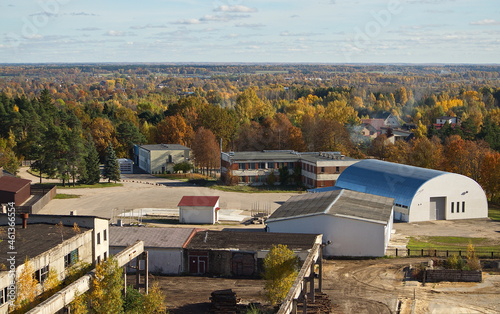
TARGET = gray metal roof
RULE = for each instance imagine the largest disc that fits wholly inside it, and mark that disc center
(277, 155)
(383, 178)
(343, 203)
(152, 237)
(151, 147)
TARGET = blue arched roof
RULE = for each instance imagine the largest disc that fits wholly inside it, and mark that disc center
(388, 179)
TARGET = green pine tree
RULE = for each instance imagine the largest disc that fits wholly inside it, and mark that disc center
(90, 173)
(111, 166)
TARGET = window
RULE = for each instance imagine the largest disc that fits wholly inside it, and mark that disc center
(98, 259)
(251, 165)
(337, 169)
(322, 169)
(458, 207)
(270, 165)
(105, 235)
(262, 165)
(98, 238)
(241, 166)
(71, 258)
(105, 256)
(452, 207)
(42, 274)
(463, 207)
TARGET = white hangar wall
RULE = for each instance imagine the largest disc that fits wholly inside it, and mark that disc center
(449, 196)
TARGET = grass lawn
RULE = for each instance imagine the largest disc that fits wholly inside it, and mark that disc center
(494, 212)
(256, 189)
(65, 196)
(86, 186)
(452, 243)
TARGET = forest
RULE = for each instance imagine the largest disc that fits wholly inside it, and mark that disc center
(65, 117)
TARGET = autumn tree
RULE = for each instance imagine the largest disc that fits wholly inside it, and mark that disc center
(426, 153)
(206, 151)
(280, 270)
(8, 158)
(250, 107)
(174, 130)
(104, 133)
(490, 175)
(26, 286)
(106, 289)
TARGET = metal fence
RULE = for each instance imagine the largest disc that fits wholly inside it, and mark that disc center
(440, 253)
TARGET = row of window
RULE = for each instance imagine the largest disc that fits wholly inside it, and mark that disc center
(456, 208)
(104, 236)
(265, 165)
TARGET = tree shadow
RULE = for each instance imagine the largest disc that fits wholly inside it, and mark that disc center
(197, 308)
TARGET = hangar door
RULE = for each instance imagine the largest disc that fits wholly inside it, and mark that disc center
(437, 208)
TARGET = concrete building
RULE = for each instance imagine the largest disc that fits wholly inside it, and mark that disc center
(48, 245)
(420, 194)
(318, 169)
(352, 223)
(239, 253)
(199, 210)
(164, 245)
(160, 158)
(14, 189)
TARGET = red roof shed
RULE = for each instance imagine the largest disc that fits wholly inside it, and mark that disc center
(198, 201)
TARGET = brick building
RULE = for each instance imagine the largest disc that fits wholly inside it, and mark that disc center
(317, 169)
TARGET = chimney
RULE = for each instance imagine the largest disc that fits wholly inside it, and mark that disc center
(25, 216)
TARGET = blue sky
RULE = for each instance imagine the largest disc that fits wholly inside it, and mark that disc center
(319, 31)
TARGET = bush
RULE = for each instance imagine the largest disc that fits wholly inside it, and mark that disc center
(455, 262)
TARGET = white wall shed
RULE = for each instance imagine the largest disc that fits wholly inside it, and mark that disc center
(352, 223)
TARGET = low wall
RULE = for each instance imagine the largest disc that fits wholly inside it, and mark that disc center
(43, 194)
(437, 275)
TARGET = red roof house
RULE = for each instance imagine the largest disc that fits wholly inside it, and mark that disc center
(14, 190)
(199, 209)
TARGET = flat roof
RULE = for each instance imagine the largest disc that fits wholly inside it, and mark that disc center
(12, 184)
(341, 203)
(198, 201)
(152, 237)
(151, 147)
(250, 241)
(285, 155)
(34, 240)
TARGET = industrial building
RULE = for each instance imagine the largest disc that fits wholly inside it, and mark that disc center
(160, 158)
(317, 169)
(352, 223)
(419, 194)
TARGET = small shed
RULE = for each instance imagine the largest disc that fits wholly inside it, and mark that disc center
(126, 165)
(164, 246)
(14, 190)
(199, 209)
(240, 253)
(352, 223)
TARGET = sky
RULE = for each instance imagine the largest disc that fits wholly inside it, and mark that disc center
(253, 31)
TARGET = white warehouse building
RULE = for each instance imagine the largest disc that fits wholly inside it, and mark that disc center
(419, 194)
(352, 223)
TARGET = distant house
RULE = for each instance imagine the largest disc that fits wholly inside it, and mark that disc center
(126, 165)
(240, 253)
(441, 121)
(352, 223)
(160, 158)
(381, 122)
(164, 246)
(317, 169)
(14, 190)
(199, 209)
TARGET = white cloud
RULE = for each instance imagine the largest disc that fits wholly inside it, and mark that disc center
(235, 9)
(187, 22)
(89, 29)
(114, 33)
(148, 26)
(485, 22)
(248, 25)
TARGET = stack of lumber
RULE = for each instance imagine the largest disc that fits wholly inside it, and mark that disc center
(322, 305)
(224, 302)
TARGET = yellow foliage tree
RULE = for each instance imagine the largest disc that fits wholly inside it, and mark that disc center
(154, 301)
(26, 286)
(280, 271)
